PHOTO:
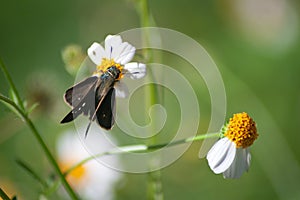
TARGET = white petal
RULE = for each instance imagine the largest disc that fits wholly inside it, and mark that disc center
(240, 164)
(112, 42)
(96, 53)
(116, 54)
(135, 70)
(126, 55)
(221, 155)
(121, 90)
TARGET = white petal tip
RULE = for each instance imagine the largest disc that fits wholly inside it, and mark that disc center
(221, 155)
(240, 165)
(96, 53)
(93, 47)
(113, 38)
(135, 70)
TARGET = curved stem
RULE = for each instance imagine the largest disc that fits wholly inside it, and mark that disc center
(42, 144)
(142, 148)
(21, 110)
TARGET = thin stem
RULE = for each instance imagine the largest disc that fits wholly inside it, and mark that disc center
(12, 85)
(119, 150)
(142, 148)
(144, 13)
(21, 110)
(145, 22)
(42, 144)
(143, 9)
(154, 179)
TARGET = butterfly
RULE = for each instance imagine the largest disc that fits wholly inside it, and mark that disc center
(94, 97)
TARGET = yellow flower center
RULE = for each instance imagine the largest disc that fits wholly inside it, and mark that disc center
(241, 130)
(107, 63)
(75, 176)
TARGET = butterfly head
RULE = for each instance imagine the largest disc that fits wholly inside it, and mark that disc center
(112, 67)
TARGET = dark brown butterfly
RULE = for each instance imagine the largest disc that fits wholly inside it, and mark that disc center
(95, 98)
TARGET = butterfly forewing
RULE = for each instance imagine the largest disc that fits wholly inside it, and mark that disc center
(85, 104)
(75, 94)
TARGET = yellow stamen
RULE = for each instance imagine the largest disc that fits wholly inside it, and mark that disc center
(76, 174)
(107, 63)
(241, 130)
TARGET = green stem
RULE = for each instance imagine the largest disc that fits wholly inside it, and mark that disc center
(42, 144)
(21, 110)
(145, 22)
(143, 10)
(119, 150)
(144, 13)
(12, 85)
(143, 148)
(154, 179)
(3, 195)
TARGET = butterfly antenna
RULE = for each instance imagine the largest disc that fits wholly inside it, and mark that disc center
(92, 118)
(88, 128)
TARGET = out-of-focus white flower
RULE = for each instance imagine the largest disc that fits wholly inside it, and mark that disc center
(270, 25)
(119, 54)
(91, 180)
(230, 155)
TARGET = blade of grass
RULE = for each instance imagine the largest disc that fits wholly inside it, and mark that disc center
(32, 173)
(12, 85)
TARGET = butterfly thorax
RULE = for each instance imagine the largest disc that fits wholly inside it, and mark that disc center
(109, 66)
(111, 72)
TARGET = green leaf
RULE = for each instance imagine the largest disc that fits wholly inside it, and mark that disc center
(31, 108)
(52, 188)
(13, 96)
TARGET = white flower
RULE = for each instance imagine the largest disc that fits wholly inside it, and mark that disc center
(116, 53)
(230, 155)
(91, 180)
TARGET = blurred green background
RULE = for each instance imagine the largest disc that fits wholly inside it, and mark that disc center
(255, 45)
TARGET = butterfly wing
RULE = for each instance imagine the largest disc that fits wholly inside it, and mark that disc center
(81, 103)
(105, 113)
(75, 94)
(95, 97)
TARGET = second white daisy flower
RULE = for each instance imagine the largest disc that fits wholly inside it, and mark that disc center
(231, 155)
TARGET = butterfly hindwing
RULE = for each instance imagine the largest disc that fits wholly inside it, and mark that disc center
(105, 113)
